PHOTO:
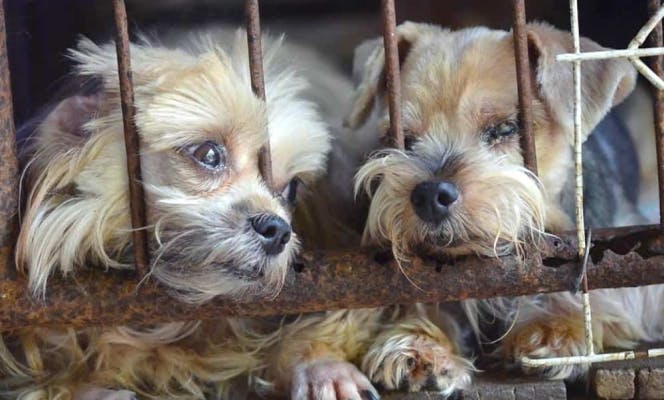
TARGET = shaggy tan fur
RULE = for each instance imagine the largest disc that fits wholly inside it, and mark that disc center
(78, 208)
(77, 214)
(458, 88)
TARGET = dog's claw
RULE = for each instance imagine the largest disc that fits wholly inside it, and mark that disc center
(369, 395)
(331, 380)
(96, 393)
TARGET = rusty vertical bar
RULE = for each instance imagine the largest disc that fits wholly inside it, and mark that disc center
(656, 65)
(132, 144)
(524, 86)
(390, 41)
(253, 22)
(8, 162)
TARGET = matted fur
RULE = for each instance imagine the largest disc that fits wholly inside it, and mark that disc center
(77, 214)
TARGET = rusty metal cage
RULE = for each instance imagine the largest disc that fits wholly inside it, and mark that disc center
(621, 257)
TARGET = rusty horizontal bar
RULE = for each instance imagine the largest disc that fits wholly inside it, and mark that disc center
(253, 23)
(656, 65)
(392, 73)
(524, 86)
(352, 279)
(132, 142)
(8, 162)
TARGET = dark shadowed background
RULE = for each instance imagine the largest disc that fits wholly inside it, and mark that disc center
(39, 31)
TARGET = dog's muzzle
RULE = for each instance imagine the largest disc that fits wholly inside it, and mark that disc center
(273, 232)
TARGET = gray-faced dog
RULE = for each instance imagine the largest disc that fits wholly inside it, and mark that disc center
(460, 187)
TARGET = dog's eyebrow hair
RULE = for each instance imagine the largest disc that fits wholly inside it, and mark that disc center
(451, 161)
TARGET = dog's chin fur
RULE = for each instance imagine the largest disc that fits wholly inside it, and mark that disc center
(501, 203)
(209, 248)
(77, 208)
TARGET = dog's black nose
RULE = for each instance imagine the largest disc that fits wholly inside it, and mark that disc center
(431, 200)
(273, 232)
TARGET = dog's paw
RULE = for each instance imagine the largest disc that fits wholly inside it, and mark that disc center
(331, 380)
(415, 361)
(554, 337)
(97, 393)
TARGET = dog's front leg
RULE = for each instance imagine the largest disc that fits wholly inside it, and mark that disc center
(545, 337)
(98, 393)
(415, 352)
(313, 359)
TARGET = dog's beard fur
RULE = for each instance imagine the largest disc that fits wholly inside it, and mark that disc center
(501, 202)
(77, 208)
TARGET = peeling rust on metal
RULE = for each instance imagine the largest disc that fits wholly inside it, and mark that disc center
(392, 73)
(350, 279)
(8, 162)
(524, 86)
(253, 22)
(132, 141)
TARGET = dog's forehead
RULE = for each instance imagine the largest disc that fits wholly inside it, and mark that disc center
(211, 100)
(461, 77)
(208, 101)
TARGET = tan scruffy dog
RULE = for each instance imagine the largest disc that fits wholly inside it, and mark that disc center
(460, 187)
(216, 229)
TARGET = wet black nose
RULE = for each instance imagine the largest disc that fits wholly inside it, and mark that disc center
(431, 200)
(273, 232)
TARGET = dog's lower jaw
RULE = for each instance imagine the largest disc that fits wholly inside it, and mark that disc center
(235, 280)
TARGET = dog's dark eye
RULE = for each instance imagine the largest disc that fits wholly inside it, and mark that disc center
(506, 128)
(410, 362)
(408, 141)
(208, 154)
(290, 192)
(503, 130)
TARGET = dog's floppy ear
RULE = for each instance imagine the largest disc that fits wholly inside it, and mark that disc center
(72, 113)
(369, 69)
(64, 127)
(604, 83)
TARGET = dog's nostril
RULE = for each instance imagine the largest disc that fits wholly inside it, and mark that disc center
(285, 238)
(431, 200)
(447, 193)
(270, 232)
(274, 233)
